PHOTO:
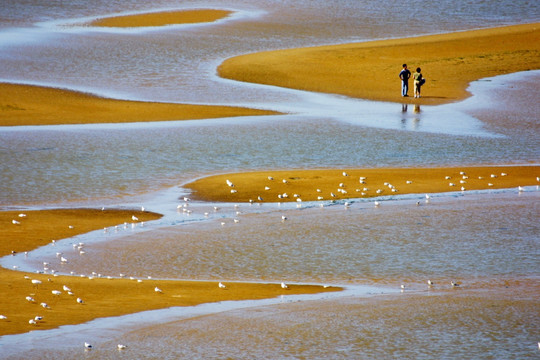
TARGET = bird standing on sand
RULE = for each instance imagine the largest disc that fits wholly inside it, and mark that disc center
(87, 345)
(284, 286)
(44, 305)
(158, 290)
(221, 286)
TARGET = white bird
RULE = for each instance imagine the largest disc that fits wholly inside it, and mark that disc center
(38, 318)
(3, 317)
(121, 347)
(87, 345)
(376, 203)
(44, 305)
(134, 218)
(158, 290)
(221, 286)
(80, 301)
(521, 188)
(284, 181)
(63, 259)
(266, 188)
(270, 178)
(32, 322)
(15, 222)
(30, 299)
(36, 282)
(283, 218)
(229, 182)
(430, 283)
(56, 292)
(345, 174)
(454, 284)
(402, 287)
(284, 286)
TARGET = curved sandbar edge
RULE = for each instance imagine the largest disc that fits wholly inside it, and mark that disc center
(162, 18)
(333, 184)
(37, 105)
(369, 70)
(101, 297)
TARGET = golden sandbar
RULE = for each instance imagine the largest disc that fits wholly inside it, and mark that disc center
(369, 70)
(163, 18)
(269, 186)
(36, 105)
(102, 297)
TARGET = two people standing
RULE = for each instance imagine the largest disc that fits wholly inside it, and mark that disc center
(419, 80)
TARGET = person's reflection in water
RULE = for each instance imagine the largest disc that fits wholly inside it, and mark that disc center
(416, 121)
(404, 116)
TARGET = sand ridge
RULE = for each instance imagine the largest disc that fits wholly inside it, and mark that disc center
(102, 297)
(162, 18)
(37, 105)
(369, 70)
(332, 184)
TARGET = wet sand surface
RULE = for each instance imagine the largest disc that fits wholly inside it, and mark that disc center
(318, 185)
(162, 18)
(368, 70)
(33, 105)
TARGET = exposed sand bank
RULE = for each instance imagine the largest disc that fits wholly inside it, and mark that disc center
(102, 297)
(35, 105)
(304, 184)
(163, 18)
(370, 70)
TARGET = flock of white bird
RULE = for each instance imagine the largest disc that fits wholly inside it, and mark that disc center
(341, 188)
